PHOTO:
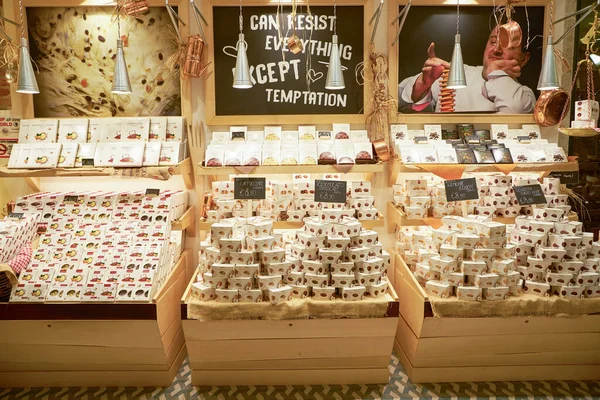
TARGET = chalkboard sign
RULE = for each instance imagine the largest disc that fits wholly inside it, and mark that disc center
(329, 191)
(152, 192)
(566, 177)
(461, 189)
(530, 194)
(15, 215)
(249, 188)
(87, 162)
(281, 80)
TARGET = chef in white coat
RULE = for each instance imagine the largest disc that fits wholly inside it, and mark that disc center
(490, 87)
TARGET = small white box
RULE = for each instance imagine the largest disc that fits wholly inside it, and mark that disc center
(176, 129)
(158, 129)
(170, 153)
(44, 155)
(584, 123)
(587, 110)
(152, 154)
(42, 131)
(85, 150)
(73, 130)
(96, 128)
(68, 154)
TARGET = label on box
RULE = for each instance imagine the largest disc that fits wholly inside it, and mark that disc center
(566, 177)
(249, 188)
(461, 189)
(71, 199)
(152, 192)
(530, 194)
(330, 191)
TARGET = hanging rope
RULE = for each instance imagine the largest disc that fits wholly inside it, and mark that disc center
(382, 102)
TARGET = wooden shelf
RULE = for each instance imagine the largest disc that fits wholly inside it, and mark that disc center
(367, 224)
(464, 118)
(291, 169)
(186, 222)
(184, 169)
(397, 167)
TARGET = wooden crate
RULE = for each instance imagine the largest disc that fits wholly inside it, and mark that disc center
(490, 349)
(290, 352)
(49, 345)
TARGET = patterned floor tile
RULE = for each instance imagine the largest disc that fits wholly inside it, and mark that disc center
(399, 387)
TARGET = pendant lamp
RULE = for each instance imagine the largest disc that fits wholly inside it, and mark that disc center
(456, 75)
(548, 76)
(241, 75)
(26, 84)
(335, 76)
(121, 83)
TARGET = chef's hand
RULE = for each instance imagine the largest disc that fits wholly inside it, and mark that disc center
(432, 70)
(511, 67)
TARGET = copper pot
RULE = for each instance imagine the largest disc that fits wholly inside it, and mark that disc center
(192, 65)
(549, 107)
(510, 35)
(294, 44)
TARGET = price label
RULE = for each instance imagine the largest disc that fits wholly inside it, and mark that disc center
(152, 192)
(16, 215)
(329, 191)
(249, 188)
(71, 199)
(566, 177)
(529, 194)
(421, 139)
(87, 162)
(461, 189)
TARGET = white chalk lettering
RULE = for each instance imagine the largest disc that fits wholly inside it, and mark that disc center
(306, 97)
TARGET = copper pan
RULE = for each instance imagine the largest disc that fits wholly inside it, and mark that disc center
(510, 35)
(549, 107)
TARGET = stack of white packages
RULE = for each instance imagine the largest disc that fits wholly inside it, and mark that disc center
(243, 260)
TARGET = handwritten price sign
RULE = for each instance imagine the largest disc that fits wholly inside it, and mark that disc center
(329, 191)
(249, 188)
(461, 189)
(529, 194)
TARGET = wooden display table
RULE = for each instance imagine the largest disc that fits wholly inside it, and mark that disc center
(291, 351)
(75, 344)
(490, 349)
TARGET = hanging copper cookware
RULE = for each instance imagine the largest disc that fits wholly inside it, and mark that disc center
(510, 35)
(549, 107)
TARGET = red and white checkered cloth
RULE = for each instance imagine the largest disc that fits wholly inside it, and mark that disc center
(21, 261)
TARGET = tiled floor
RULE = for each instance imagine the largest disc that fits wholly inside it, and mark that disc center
(398, 387)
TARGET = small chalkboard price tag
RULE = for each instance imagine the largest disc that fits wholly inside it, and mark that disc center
(152, 192)
(249, 188)
(566, 177)
(16, 215)
(461, 189)
(329, 191)
(529, 194)
(87, 162)
(421, 139)
(71, 199)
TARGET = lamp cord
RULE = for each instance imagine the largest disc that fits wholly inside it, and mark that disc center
(119, 27)
(334, 17)
(241, 18)
(457, 15)
(21, 15)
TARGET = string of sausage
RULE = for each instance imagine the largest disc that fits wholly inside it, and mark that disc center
(447, 96)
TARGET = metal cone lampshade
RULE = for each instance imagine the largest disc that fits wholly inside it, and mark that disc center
(549, 76)
(456, 76)
(241, 76)
(595, 59)
(335, 76)
(27, 82)
(121, 83)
